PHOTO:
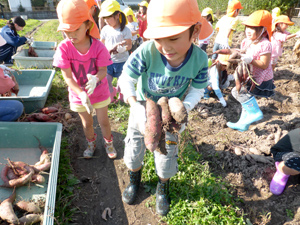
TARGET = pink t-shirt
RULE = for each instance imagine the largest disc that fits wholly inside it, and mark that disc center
(6, 83)
(67, 56)
(256, 50)
(277, 43)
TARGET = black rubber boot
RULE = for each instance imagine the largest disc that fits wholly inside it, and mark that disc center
(162, 198)
(130, 192)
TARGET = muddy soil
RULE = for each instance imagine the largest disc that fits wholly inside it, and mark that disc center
(103, 180)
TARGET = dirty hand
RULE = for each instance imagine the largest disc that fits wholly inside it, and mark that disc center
(91, 84)
(86, 101)
(298, 34)
(139, 115)
(247, 58)
(121, 49)
(225, 44)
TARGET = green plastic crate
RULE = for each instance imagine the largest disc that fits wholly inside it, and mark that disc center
(44, 45)
(19, 144)
(34, 88)
(43, 61)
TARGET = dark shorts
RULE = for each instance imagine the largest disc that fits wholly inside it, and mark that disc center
(115, 69)
(287, 149)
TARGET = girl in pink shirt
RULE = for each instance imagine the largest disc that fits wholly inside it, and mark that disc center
(258, 50)
(83, 60)
(280, 35)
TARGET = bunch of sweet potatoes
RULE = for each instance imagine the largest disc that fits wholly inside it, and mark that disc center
(165, 115)
(7, 211)
(15, 174)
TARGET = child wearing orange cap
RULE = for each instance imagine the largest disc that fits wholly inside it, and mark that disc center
(117, 38)
(168, 65)
(83, 60)
(134, 28)
(226, 26)
(142, 18)
(258, 55)
(280, 35)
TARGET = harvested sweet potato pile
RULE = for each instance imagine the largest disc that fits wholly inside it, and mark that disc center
(54, 113)
(16, 174)
(31, 52)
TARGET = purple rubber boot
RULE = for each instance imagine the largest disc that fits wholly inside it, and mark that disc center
(278, 182)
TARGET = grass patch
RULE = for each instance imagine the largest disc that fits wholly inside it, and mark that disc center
(66, 182)
(198, 196)
(48, 32)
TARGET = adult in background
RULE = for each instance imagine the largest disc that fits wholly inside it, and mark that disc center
(10, 110)
(13, 40)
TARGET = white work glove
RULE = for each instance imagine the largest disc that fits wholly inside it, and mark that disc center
(121, 49)
(225, 44)
(247, 58)
(182, 128)
(91, 84)
(223, 102)
(29, 40)
(139, 112)
(6, 69)
(85, 101)
(298, 34)
(187, 107)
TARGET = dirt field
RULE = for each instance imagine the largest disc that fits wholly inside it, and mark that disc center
(103, 180)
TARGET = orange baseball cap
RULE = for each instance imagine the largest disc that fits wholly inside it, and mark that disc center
(232, 6)
(282, 19)
(260, 18)
(72, 13)
(90, 3)
(167, 19)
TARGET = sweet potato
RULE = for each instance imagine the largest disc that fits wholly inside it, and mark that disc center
(164, 109)
(4, 172)
(43, 117)
(30, 219)
(45, 157)
(22, 180)
(30, 207)
(11, 175)
(38, 178)
(153, 128)
(6, 210)
(50, 109)
(178, 110)
(42, 167)
(222, 51)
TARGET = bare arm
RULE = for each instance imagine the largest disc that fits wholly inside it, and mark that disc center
(263, 62)
(102, 71)
(67, 74)
(291, 36)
